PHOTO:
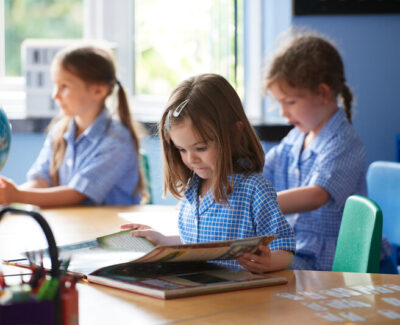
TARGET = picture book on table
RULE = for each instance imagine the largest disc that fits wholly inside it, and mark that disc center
(165, 271)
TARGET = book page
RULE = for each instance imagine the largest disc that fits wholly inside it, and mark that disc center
(123, 240)
(222, 250)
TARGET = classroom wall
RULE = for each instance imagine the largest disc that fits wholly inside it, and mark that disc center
(370, 46)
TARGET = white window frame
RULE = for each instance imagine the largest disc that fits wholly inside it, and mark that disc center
(263, 21)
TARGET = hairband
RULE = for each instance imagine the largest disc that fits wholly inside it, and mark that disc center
(118, 82)
(177, 111)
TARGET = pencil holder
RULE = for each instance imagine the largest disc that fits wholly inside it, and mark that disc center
(28, 308)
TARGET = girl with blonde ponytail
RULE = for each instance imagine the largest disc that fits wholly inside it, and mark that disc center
(89, 157)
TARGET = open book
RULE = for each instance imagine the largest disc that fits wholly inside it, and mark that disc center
(134, 264)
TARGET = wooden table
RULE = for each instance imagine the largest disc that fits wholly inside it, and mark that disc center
(102, 305)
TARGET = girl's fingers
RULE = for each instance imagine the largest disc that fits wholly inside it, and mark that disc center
(251, 265)
(134, 226)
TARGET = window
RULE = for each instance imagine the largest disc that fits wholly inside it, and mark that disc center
(158, 43)
(21, 19)
(37, 19)
(176, 39)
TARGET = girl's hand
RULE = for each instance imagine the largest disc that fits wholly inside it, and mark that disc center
(260, 263)
(8, 191)
(139, 230)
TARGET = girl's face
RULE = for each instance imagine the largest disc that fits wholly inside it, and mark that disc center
(74, 96)
(304, 109)
(197, 155)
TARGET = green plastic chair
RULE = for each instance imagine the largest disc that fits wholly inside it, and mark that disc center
(360, 236)
(144, 160)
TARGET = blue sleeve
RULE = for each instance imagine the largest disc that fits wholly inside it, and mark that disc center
(268, 218)
(41, 167)
(105, 167)
(269, 165)
(341, 170)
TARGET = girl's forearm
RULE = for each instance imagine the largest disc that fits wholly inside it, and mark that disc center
(281, 260)
(51, 196)
(302, 199)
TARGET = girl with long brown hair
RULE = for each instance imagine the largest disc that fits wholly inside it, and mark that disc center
(213, 162)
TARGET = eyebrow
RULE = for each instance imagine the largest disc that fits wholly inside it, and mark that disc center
(192, 145)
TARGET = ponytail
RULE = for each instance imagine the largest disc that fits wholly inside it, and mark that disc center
(126, 119)
(58, 146)
(346, 100)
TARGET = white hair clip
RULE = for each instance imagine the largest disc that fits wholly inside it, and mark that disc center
(180, 108)
(177, 111)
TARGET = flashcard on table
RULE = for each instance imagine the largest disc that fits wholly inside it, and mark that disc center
(311, 295)
(368, 289)
(347, 303)
(329, 316)
(289, 296)
(391, 300)
(353, 317)
(346, 292)
(333, 293)
(392, 286)
(389, 313)
(315, 306)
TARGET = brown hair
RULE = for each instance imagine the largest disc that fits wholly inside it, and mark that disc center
(215, 109)
(92, 64)
(305, 61)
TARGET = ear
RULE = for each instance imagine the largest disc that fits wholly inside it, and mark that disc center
(100, 90)
(326, 92)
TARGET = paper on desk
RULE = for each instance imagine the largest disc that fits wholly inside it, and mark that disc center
(167, 224)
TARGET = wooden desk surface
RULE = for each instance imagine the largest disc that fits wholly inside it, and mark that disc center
(102, 305)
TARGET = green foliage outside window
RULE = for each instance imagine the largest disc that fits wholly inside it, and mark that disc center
(38, 19)
(176, 39)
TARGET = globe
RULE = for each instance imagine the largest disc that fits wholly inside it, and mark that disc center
(5, 138)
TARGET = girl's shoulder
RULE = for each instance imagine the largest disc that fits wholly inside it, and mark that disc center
(251, 182)
(292, 137)
(116, 131)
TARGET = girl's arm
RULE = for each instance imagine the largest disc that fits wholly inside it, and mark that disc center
(43, 197)
(302, 199)
(36, 183)
(266, 261)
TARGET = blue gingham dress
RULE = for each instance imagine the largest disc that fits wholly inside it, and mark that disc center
(101, 163)
(335, 160)
(253, 211)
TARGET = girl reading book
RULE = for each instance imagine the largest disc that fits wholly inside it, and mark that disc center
(213, 162)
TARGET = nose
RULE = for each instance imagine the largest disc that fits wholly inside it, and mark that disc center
(284, 111)
(54, 93)
(192, 157)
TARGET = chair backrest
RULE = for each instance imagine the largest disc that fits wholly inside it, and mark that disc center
(144, 161)
(383, 182)
(360, 237)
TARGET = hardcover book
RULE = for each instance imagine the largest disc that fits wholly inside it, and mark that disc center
(166, 271)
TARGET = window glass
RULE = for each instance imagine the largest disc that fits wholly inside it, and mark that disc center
(38, 19)
(176, 39)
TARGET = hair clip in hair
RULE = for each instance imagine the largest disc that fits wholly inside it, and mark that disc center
(180, 108)
(167, 125)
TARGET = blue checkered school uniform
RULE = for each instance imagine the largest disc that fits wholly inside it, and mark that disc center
(252, 211)
(101, 163)
(335, 160)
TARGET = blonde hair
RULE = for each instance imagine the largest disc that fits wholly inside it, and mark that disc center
(92, 64)
(305, 61)
(217, 114)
